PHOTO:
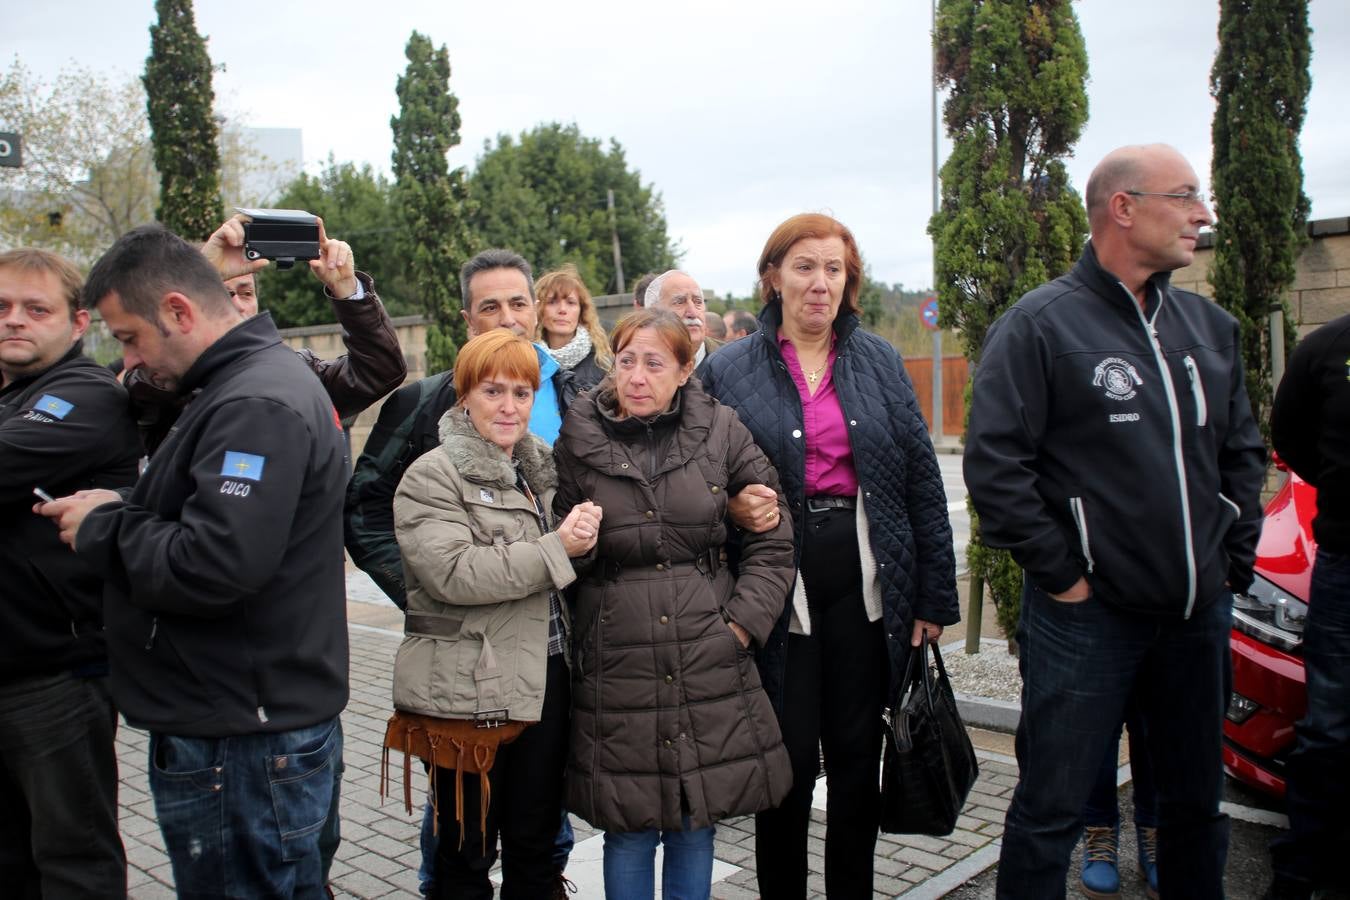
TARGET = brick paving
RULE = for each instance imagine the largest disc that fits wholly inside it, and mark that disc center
(379, 854)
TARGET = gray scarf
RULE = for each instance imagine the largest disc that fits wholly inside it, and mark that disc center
(574, 351)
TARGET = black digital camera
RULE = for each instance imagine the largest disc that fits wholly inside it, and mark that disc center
(281, 235)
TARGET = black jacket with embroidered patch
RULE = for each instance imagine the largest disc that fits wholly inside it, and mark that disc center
(65, 429)
(226, 599)
(1117, 443)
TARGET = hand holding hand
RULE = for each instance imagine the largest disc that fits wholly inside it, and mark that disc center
(224, 249)
(580, 529)
(754, 509)
(335, 267)
(67, 513)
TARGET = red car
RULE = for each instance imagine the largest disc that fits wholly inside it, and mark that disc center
(1269, 692)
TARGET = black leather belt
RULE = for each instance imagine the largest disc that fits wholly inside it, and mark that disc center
(822, 502)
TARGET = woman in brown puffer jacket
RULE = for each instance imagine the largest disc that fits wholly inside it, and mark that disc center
(671, 730)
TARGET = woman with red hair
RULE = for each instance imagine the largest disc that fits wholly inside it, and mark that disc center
(831, 406)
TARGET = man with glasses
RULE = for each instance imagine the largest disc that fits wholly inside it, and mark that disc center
(1112, 450)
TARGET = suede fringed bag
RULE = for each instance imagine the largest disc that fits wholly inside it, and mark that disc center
(464, 745)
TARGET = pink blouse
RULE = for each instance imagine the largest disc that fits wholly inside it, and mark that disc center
(829, 458)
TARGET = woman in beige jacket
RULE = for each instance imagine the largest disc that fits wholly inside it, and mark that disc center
(486, 627)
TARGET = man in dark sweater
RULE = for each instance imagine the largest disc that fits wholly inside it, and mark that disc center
(1310, 428)
(64, 427)
(225, 594)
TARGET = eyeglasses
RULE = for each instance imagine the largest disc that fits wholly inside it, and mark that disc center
(1183, 198)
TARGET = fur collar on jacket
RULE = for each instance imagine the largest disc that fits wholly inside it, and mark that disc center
(481, 461)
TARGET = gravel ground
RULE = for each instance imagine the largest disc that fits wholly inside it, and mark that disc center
(990, 673)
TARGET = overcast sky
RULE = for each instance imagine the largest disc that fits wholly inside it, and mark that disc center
(740, 112)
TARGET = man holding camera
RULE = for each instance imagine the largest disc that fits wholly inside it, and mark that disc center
(372, 367)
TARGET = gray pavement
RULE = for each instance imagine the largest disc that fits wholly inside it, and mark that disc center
(379, 855)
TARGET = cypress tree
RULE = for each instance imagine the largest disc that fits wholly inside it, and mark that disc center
(1260, 81)
(180, 103)
(429, 197)
(1008, 219)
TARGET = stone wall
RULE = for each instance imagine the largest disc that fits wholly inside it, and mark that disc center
(1321, 289)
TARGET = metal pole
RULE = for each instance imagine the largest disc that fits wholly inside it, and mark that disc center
(620, 285)
(937, 334)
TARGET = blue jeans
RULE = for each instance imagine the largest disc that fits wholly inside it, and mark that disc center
(58, 789)
(1318, 788)
(686, 870)
(242, 816)
(1102, 807)
(1080, 663)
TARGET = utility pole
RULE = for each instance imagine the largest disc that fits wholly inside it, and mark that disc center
(619, 282)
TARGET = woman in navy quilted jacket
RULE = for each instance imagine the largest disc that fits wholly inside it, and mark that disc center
(832, 407)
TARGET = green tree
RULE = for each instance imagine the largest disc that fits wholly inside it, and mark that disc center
(182, 122)
(430, 198)
(1008, 219)
(356, 206)
(544, 195)
(88, 173)
(1260, 82)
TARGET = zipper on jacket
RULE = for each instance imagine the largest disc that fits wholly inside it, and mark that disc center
(1177, 457)
(1080, 519)
(154, 629)
(1197, 391)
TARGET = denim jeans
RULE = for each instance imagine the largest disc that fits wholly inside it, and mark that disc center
(330, 837)
(1318, 787)
(686, 869)
(1102, 807)
(1080, 663)
(58, 790)
(242, 816)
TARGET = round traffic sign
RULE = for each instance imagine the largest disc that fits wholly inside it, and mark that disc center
(928, 314)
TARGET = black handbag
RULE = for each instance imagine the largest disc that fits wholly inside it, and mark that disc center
(929, 764)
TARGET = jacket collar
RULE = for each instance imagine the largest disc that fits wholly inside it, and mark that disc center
(593, 443)
(1108, 285)
(479, 460)
(771, 319)
(244, 339)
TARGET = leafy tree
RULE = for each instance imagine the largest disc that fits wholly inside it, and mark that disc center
(1260, 82)
(544, 195)
(180, 100)
(430, 199)
(88, 173)
(1008, 220)
(356, 206)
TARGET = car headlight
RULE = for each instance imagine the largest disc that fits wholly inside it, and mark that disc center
(1270, 614)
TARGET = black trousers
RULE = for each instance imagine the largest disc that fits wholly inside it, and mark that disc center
(833, 693)
(527, 790)
(58, 790)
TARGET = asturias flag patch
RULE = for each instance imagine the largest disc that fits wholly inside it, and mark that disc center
(243, 465)
(52, 405)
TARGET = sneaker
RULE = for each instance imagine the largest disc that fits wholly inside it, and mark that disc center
(1148, 859)
(1100, 878)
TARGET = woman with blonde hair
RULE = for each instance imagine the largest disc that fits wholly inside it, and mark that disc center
(570, 328)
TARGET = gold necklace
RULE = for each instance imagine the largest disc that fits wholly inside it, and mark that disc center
(813, 376)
